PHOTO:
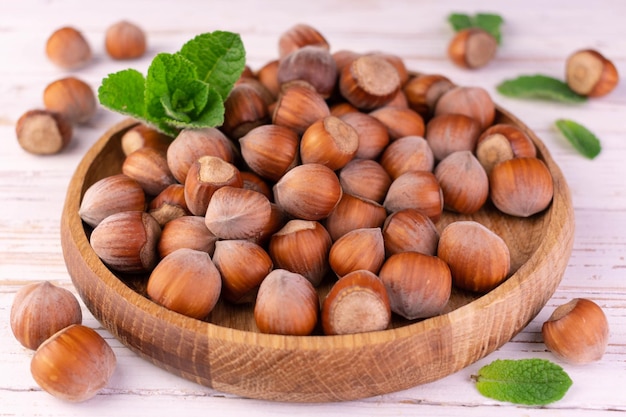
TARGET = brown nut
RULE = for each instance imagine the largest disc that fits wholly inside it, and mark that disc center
(357, 303)
(352, 213)
(369, 81)
(186, 281)
(169, 204)
(359, 249)
(310, 63)
(298, 36)
(74, 364)
(270, 150)
(463, 181)
(419, 190)
(127, 241)
(501, 142)
(71, 97)
(409, 153)
(245, 108)
(366, 179)
(149, 168)
(418, 285)
(287, 304)
(302, 247)
(42, 132)
(472, 48)
(399, 121)
(478, 258)
(41, 309)
(449, 133)
(329, 141)
(68, 48)
(298, 107)
(125, 40)
(474, 102)
(110, 195)
(308, 192)
(590, 74)
(409, 230)
(186, 232)
(521, 186)
(577, 332)
(243, 265)
(423, 91)
(373, 134)
(268, 76)
(141, 136)
(252, 181)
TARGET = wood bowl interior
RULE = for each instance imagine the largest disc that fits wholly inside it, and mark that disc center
(226, 351)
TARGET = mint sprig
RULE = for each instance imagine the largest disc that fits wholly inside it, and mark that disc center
(539, 87)
(523, 381)
(579, 137)
(488, 22)
(186, 89)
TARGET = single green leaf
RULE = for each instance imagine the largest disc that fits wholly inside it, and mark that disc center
(539, 87)
(213, 114)
(123, 92)
(580, 137)
(219, 57)
(489, 22)
(460, 21)
(524, 381)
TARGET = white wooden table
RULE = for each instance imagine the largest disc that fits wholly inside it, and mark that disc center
(538, 36)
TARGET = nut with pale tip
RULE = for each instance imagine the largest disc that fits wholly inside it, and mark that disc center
(503, 141)
(329, 141)
(205, 176)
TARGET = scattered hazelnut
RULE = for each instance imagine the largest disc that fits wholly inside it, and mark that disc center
(43, 132)
(68, 49)
(298, 36)
(472, 48)
(41, 309)
(577, 332)
(589, 73)
(125, 40)
(73, 364)
(71, 97)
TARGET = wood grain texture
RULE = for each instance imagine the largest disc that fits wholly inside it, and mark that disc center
(228, 354)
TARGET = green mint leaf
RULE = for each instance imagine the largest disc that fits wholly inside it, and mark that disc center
(213, 114)
(460, 21)
(219, 58)
(488, 22)
(580, 137)
(524, 381)
(123, 92)
(539, 87)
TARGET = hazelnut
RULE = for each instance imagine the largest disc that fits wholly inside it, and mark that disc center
(186, 281)
(372, 133)
(474, 102)
(302, 247)
(577, 332)
(418, 285)
(501, 142)
(478, 258)
(463, 181)
(244, 109)
(472, 48)
(270, 150)
(356, 303)
(399, 121)
(366, 179)
(521, 186)
(298, 36)
(43, 132)
(169, 204)
(68, 48)
(589, 73)
(329, 141)
(449, 133)
(268, 76)
(252, 181)
(313, 64)
(419, 190)
(409, 230)
(308, 192)
(141, 136)
(409, 153)
(186, 232)
(298, 107)
(287, 304)
(352, 213)
(111, 195)
(369, 81)
(71, 97)
(125, 40)
(74, 364)
(423, 91)
(242, 265)
(127, 241)
(149, 168)
(359, 249)
(41, 309)
(342, 108)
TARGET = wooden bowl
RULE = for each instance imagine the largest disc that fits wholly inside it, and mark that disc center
(227, 353)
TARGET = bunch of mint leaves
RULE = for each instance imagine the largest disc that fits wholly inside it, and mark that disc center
(186, 89)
